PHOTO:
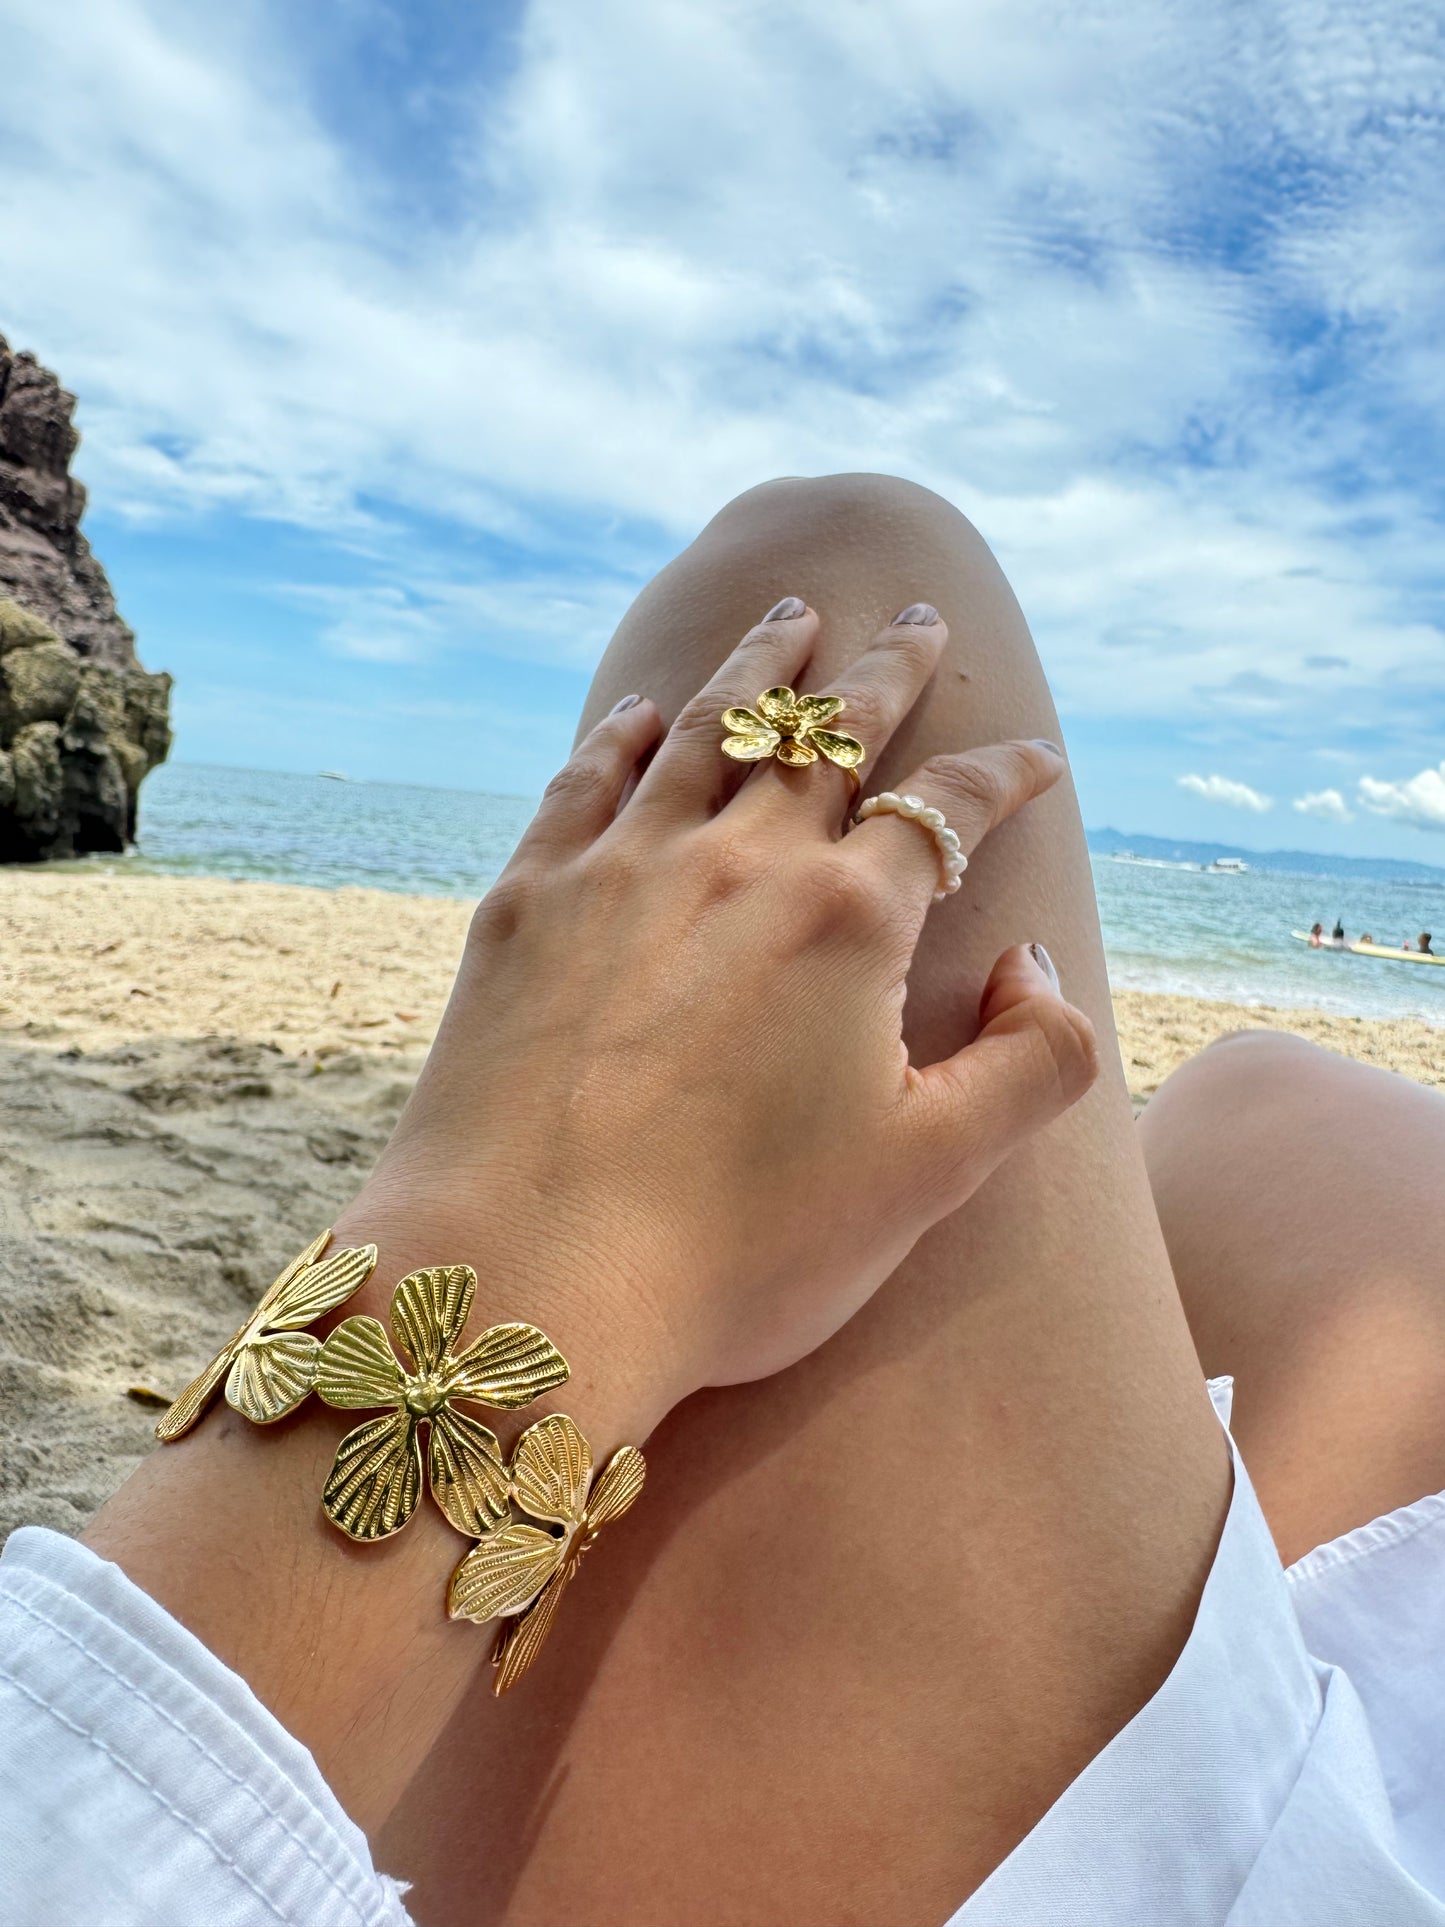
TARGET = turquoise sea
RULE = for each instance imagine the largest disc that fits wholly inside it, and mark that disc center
(1165, 928)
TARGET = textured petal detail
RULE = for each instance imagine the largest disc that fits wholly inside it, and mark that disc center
(551, 1470)
(429, 1311)
(778, 706)
(756, 747)
(375, 1480)
(504, 1573)
(272, 1375)
(797, 754)
(617, 1487)
(183, 1413)
(743, 722)
(846, 751)
(508, 1367)
(318, 1288)
(816, 710)
(299, 1263)
(357, 1366)
(469, 1478)
(519, 1644)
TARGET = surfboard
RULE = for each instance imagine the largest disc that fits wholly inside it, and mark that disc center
(1371, 950)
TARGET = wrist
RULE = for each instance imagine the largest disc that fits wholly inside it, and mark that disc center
(591, 1303)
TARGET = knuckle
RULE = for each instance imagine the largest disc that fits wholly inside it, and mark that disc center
(976, 786)
(833, 892)
(1067, 1045)
(503, 911)
(584, 780)
(723, 863)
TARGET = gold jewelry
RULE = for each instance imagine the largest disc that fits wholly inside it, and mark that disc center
(270, 1364)
(790, 727)
(375, 1479)
(951, 860)
(520, 1572)
(515, 1571)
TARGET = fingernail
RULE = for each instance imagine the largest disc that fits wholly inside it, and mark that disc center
(920, 612)
(1045, 963)
(1042, 742)
(626, 703)
(788, 610)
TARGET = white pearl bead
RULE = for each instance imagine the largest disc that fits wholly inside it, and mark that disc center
(910, 805)
(948, 840)
(955, 865)
(932, 819)
(951, 885)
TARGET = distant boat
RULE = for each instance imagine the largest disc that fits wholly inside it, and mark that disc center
(1152, 862)
(334, 775)
(1371, 950)
(1228, 866)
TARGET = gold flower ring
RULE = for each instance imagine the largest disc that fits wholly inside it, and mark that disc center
(791, 727)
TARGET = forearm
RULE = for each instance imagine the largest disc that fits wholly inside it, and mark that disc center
(350, 1645)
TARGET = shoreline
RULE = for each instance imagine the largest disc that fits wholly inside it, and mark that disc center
(194, 1076)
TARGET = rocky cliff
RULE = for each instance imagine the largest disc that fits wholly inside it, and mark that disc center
(81, 722)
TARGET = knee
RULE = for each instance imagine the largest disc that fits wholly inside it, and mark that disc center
(845, 508)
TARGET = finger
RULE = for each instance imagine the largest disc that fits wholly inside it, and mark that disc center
(1034, 1057)
(690, 776)
(583, 797)
(973, 791)
(875, 692)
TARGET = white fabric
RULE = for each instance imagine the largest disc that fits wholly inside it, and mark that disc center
(1290, 1772)
(142, 1784)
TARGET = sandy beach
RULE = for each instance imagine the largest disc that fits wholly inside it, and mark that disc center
(193, 1076)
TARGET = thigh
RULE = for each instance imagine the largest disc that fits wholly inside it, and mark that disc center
(1302, 1197)
(875, 1613)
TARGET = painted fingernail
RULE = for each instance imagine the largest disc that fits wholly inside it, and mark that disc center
(788, 610)
(626, 703)
(1045, 963)
(1042, 742)
(920, 612)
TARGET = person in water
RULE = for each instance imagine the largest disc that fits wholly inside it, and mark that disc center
(1422, 943)
(1337, 935)
(1317, 935)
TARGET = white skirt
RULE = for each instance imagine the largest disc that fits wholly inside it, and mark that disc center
(1290, 1772)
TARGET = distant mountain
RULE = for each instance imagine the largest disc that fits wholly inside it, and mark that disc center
(1304, 863)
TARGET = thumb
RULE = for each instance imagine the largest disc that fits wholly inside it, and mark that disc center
(1033, 1057)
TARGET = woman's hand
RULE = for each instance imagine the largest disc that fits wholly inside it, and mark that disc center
(669, 1115)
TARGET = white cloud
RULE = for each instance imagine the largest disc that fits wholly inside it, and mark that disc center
(1328, 805)
(1222, 789)
(992, 263)
(1419, 801)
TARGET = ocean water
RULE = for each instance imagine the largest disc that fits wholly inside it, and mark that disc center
(1164, 929)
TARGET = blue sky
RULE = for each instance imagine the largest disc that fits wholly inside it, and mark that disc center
(412, 335)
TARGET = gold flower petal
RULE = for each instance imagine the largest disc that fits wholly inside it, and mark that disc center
(753, 748)
(271, 1375)
(375, 1480)
(504, 1573)
(846, 751)
(429, 1311)
(743, 722)
(468, 1473)
(618, 1487)
(357, 1366)
(797, 754)
(778, 706)
(507, 1367)
(519, 1644)
(313, 1288)
(813, 710)
(551, 1470)
(183, 1413)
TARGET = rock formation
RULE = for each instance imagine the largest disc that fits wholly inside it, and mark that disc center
(81, 722)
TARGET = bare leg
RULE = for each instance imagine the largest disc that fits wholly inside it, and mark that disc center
(876, 1613)
(1302, 1199)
